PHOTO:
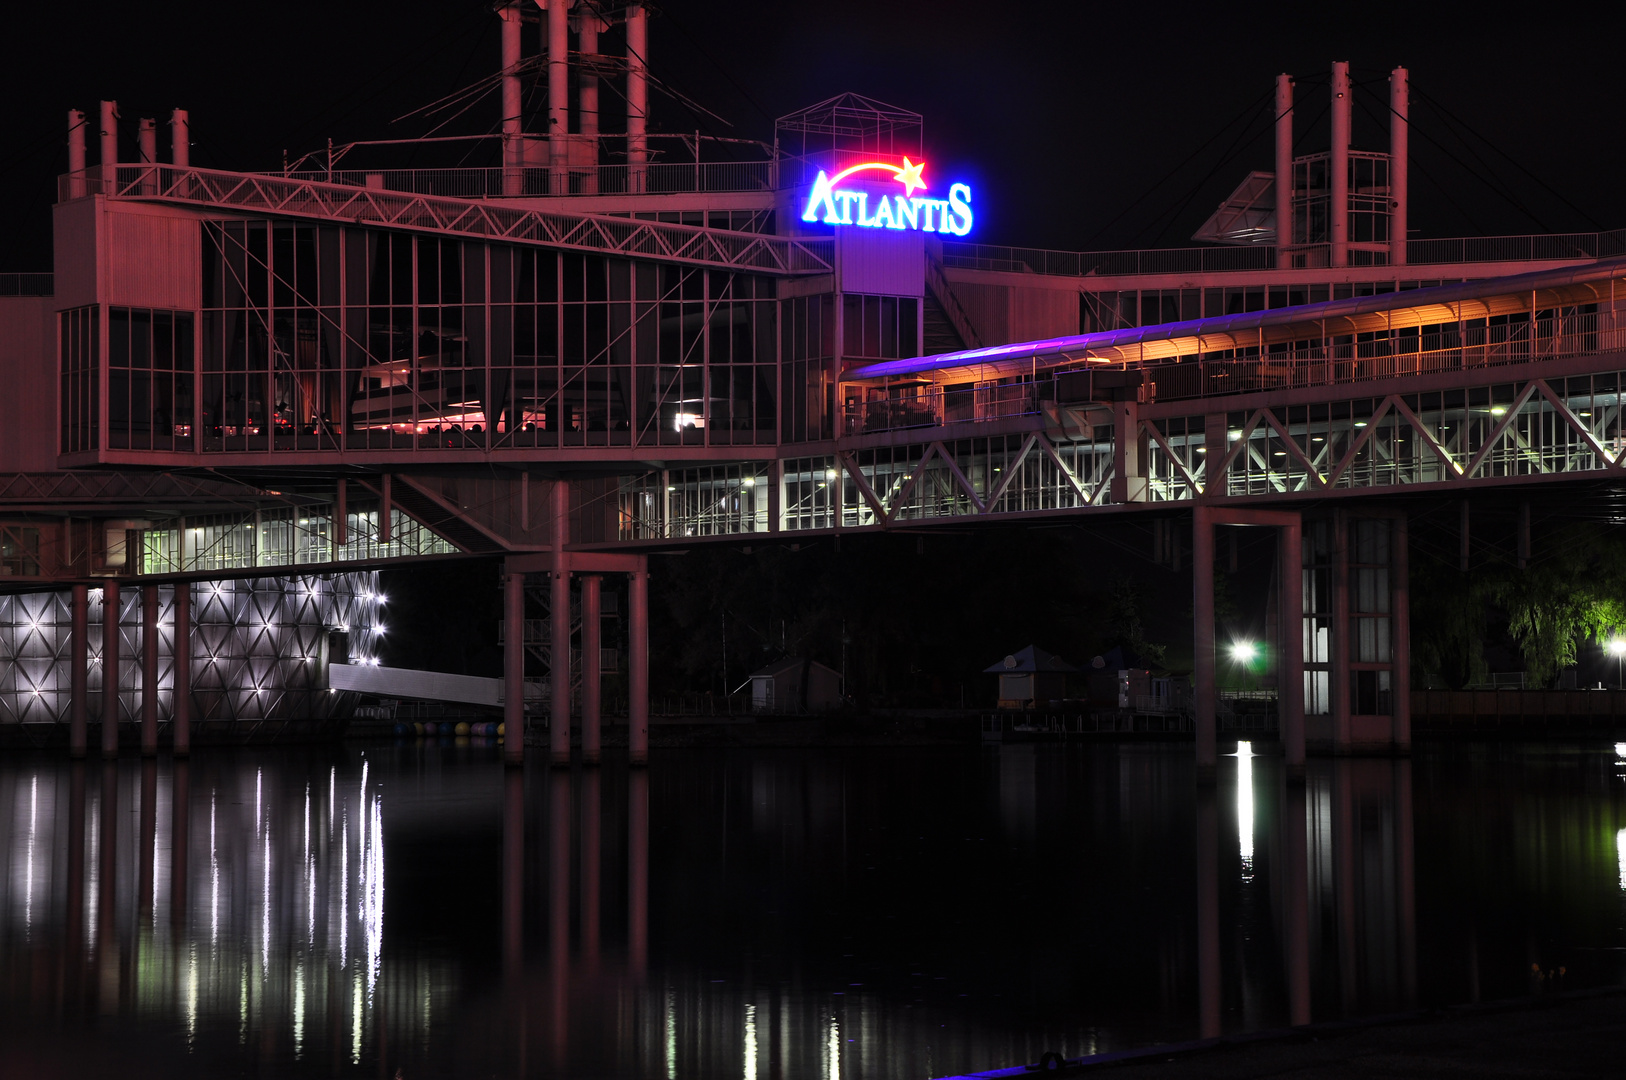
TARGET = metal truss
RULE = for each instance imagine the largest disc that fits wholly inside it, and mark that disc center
(58, 489)
(311, 199)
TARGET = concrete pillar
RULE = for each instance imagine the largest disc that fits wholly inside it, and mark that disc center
(149, 670)
(1399, 152)
(1296, 887)
(180, 811)
(637, 95)
(76, 154)
(1204, 690)
(638, 872)
(181, 711)
(1209, 981)
(180, 138)
(1341, 724)
(1338, 211)
(558, 94)
(638, 664)
(513, 146)
(1290, 700)
(78, 673)
(1284, 169)
(386, 510)
(110, 668)
(1128, 473)
(591, 673)
(513, 692)
(341, 515)
(559, 634)
(1400, 636)
(110, 143)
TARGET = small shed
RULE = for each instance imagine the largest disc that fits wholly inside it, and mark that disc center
(795, 684)
(1031, 677)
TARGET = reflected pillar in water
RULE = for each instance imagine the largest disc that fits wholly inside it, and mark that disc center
(1405, 881)
(513, 908)
(559, 906)
(513, 699)
(591, 681)
(637, 872)
(110, 668)
(559, 635)
(106, 944)
(1296, 899)
(638, 663)
(149, 671)
(180, 810)
(78, 671)
(1400, 602)
(1290, 681)
(591, 810)
(1340, 634)
(149, 839)
(73, 959)
(1208, 929)
(181, 717)
(1202, 554)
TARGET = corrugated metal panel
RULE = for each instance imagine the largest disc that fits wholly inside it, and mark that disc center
(885, 261)
(28, 423)
(74, 247)
(1042, 313)
(153, 258)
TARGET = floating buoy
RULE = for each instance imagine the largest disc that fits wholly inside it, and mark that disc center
(502, 729)
(462, 728)
(417, 728)
(400, 729)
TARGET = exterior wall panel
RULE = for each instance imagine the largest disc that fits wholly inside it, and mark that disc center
(28, 423)
(152, 259)
(882, 261)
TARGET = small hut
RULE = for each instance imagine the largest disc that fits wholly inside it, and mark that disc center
(1030, 678)
(795, 684)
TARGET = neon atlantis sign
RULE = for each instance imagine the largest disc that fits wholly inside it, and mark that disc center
(832, 204)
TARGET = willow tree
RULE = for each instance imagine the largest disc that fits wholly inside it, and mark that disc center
(1570, 592)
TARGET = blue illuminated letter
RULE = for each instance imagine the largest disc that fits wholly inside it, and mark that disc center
(883, 215)
(908, 213)
(960, 206)
(821, 196)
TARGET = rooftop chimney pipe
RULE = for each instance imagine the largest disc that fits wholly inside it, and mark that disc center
(1284, 168)
(110, 142)
(558, 91)
(637, 95)
(587, 104)
(1338, 215)
(1399, 140)
(513, 150)
(180, 139)
(76, 154)
(147, 152)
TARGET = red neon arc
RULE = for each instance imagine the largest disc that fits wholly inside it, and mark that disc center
(907, 174)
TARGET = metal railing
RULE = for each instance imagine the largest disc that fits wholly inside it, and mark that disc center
(661, 178)
(1395, 357)
(258, 193)
(1554, 247)
(26, 284)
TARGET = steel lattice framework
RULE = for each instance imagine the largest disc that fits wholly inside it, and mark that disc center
(446, 216)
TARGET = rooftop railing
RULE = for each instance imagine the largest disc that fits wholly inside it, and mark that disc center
(1554, 247)
(661, 178)
(26, 284)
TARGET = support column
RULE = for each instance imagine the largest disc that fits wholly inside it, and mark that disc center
(78, 672)
(341, 515)
(1338, 181)
(1290, 692)
(1341, 727)
(638, 664)
(386, 510)
(1399, 153)
(513, 662)
(181, 711)
(590, 668)
(1284, 170)
(149, 670)
(559, 635)
(1203, 690)
(1400, 612)
(110, 668)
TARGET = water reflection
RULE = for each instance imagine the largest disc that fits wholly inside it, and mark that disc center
(775, 914)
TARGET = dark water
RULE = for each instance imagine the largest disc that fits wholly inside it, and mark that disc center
(899, 913)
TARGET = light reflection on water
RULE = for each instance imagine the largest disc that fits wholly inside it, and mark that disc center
(768, 913)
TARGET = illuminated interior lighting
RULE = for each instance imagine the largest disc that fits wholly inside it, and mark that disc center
(1360, 423)
(829, 474)
(1498, 410)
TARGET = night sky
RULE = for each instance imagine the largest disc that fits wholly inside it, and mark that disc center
(1084, 125)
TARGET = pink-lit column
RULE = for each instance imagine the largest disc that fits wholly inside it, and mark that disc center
(559, 633)
(147, 146)
(558, 95)
(1400, 612)
(638, 664)
(513, 146)
(1284, 169)
(78, 672)
(180, 138)
(110, 144)
(1399, 153)
(1338, 182)
(149, 670)
(1202, 560)
(110, 668)
(637, 95)
(587, 87)
(76, 154)
(591, 673)
(513, 691)
(181, 711)
(1342, 635)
